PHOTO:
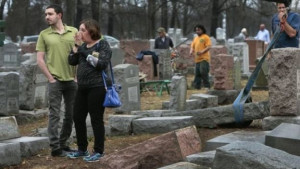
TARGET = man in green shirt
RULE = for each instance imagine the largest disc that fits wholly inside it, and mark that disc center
(53, 47)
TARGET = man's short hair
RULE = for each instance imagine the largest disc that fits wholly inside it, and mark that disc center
(56, 8)
(200, 27)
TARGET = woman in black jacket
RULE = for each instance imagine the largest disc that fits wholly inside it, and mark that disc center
(92, 57)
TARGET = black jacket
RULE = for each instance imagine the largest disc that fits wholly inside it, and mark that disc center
(89, 76)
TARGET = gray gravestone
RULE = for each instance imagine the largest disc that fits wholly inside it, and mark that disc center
(285, 137)
(118, 56)
(9, 128)
(165, 69)
(240, 50)
(9, 93)
(127, 76)
(10, 56)
(178, 88)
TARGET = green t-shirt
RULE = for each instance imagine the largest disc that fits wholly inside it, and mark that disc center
(57, 48)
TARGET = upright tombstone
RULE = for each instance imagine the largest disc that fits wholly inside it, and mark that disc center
(33, 91)
(28, 71)
(10, 56)
(256, 50)
(240, 50)
(118, 56)
(284, 87)
(127, 76)
(9, 93)
(214, 51)
(221, 36)
(165, 69)
(178, 89)
(223, 72)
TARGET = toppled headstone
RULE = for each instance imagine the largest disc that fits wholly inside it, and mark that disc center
(271, 122)
(160, 124)
(162, 150)
(203, 158)
(183, 165)
(285, 137)
(151, 113)
(121, 124)
(9, 128)
(225, 139)
(30, 146)
(244, 154)
(9, 154)
(206, 99)
(225, 96)
(214, 116)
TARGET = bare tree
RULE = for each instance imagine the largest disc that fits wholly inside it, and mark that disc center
(96, 9)
(151, 18)
(111, 17)
(164, 14)
(70, 12)
(3, 2)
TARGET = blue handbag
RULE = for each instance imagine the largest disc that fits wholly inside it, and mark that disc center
(112, 98)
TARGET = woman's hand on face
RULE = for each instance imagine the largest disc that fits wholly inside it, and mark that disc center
(78, 38)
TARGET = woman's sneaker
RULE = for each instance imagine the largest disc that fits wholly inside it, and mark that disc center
(93, 158)
(78, 154)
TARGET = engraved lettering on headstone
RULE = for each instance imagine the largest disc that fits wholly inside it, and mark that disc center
(133, 94)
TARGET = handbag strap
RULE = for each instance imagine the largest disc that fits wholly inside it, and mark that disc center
(104, 76)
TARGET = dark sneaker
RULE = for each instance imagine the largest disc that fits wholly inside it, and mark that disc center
(68, 149)
(58, 153)
(78, 154)
(93, 158)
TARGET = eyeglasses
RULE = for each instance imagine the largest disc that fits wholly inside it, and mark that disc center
(281, 8)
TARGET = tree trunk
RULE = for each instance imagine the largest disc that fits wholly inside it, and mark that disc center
(174, 14)
(2, 8)
(151, 18)
(78, 14)
(111, 17)
(70, 12)
(96, 8)
(214, 17)
(185, 17)
(164, 14)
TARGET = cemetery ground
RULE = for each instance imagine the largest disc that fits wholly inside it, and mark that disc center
(149, 101)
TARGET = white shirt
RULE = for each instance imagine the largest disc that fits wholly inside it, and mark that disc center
(263, 35)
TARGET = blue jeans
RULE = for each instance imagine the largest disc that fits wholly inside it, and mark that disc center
(57, 91)
(201, 75)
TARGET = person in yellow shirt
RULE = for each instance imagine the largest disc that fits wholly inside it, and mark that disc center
(200, 50)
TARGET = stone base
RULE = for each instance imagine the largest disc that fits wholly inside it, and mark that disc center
(255, 136)
(285, 137)
(204, 158)
(271, 122)
(10, 154)
(30, 146)
(182, 165)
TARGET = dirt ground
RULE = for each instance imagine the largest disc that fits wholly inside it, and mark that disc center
(149, 101)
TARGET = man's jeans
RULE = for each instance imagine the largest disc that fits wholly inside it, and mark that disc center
(201, 74)
(57, 90)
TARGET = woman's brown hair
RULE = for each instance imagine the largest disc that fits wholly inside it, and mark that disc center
(92, 27)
